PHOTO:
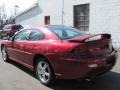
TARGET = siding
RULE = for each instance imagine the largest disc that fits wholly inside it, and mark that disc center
(30, 17)
(104, 15)
(53, 9)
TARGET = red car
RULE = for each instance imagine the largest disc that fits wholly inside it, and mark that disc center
(9, 30)
(60, 52)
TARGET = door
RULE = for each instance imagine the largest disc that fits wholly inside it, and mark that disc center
(47, 20)
(33, 45)
(17, 46)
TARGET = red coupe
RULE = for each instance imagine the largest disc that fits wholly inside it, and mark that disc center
(60, 52)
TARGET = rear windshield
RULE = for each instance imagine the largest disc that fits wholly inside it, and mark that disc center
(65, 32)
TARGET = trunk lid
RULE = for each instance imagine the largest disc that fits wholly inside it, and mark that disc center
(95, 45)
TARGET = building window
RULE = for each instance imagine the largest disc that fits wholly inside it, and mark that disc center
(81, 17)
(47, 20)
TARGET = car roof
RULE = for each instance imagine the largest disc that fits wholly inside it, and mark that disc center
(43, 26)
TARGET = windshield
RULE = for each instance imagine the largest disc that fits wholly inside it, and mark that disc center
(65, 32)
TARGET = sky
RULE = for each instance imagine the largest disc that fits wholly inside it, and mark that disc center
(23, 4)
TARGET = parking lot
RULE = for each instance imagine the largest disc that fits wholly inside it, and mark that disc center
(14, 76)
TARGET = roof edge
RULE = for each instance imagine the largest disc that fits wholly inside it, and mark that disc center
(26, 10)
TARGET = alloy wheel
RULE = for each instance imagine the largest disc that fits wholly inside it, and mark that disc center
(43, 71)
(4, 54)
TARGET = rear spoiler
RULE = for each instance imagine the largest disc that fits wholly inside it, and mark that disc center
(108, 36)
(90, 37)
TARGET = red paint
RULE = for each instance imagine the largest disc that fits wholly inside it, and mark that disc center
(69, 58)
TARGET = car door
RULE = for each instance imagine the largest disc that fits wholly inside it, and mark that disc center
(35, 40)
(17, 45)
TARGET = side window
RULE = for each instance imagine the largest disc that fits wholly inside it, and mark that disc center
(36, 35)
(58, 32)
(23, 35)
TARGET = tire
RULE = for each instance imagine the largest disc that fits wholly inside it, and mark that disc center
(4, 54)
(44, 72)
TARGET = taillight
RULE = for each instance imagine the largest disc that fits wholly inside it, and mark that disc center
(81, 51)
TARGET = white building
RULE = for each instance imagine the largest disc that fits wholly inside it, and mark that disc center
(95, 16)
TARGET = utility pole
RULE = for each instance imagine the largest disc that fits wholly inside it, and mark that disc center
(0, 15)
(62, 12)
(16, 9)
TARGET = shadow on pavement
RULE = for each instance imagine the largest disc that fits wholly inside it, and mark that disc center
(23, 68)
(109, 81)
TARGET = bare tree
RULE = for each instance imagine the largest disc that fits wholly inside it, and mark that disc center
(3, 14)
(6, 18)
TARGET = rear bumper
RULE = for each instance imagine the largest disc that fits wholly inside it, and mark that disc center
(76, 69)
